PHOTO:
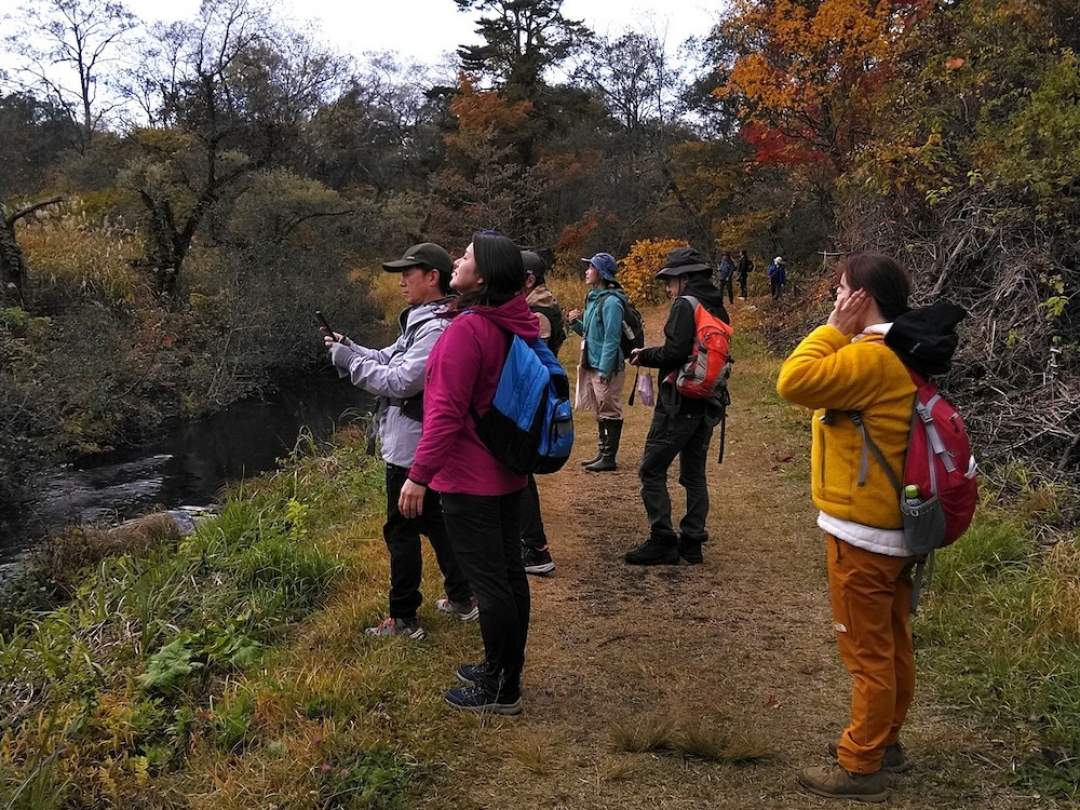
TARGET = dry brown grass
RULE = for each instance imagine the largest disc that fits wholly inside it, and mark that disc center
(66, 251)
(717, 742)
(637, 735)
(1059, 603)
(701, 738)
(534, 754)
(569, 291)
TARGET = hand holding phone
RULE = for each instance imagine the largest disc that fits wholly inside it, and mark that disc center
(324, 325)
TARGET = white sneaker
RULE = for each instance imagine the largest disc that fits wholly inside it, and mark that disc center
(397, 627)
(465, 611)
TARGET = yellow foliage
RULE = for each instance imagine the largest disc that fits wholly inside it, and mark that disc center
(739, 228)
(638, 269)
(385, 293)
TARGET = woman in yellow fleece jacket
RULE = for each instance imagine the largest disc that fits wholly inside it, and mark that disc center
(839, 368)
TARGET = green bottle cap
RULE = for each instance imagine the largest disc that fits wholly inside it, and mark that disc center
(911, 491)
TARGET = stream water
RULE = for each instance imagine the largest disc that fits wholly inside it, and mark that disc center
(187, 466)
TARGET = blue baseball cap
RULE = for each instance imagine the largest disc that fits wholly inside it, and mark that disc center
(605, 264)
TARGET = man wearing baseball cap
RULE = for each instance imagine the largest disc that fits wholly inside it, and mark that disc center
(681, 427)
(395, 375)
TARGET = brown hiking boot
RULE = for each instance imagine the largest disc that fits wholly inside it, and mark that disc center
(894, 761)
(836, 783)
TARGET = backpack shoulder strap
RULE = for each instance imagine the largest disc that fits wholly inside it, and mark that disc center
(864, 462)
(693, 301)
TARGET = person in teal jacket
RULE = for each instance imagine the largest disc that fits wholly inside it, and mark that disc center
(601, 371)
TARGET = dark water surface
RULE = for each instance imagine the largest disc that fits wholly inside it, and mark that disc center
(188, 465)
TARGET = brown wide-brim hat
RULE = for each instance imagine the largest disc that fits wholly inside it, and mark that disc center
(426, 254)
(683, 260)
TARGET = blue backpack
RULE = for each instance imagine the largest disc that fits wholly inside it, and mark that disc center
(530, 425)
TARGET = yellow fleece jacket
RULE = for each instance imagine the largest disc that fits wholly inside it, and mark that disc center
(829, 371)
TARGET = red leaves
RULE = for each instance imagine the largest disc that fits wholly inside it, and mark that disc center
(771, 146)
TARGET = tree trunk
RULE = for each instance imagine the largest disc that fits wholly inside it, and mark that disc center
(12, 263)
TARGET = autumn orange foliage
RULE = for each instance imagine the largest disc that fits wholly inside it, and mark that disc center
(808, 73)
(484, 111)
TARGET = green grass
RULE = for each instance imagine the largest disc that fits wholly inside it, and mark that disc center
(999, 632)
(147, 661)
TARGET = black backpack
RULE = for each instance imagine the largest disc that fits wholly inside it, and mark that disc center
(633, 328)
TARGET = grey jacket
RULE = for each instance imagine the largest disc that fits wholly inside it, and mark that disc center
(393, 374)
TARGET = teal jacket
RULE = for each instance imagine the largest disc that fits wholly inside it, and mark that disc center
(601, 325)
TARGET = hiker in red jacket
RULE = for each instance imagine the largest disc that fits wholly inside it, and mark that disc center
(481, 497)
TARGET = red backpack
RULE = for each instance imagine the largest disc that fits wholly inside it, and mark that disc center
(939, 462)
(708, 368)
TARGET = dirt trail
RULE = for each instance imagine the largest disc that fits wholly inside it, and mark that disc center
(742, 642)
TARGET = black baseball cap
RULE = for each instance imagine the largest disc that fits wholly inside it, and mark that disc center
(533, 262)
(426, 254)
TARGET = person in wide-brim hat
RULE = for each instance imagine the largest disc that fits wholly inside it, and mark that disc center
(682, 427)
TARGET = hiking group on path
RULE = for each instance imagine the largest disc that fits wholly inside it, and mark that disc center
(472, 404)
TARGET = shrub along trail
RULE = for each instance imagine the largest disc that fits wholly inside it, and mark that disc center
(729, 657)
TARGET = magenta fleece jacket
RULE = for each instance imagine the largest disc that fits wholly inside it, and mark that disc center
(462, 374)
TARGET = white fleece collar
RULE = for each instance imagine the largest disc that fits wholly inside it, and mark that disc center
(873, 329)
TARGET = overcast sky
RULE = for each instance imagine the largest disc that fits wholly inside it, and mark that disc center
(426, 29)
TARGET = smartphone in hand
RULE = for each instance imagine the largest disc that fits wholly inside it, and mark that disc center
(324, 324)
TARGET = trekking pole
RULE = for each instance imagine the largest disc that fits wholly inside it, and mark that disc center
(633, 391)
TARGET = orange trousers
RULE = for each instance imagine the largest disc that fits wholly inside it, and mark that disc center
(871, 606)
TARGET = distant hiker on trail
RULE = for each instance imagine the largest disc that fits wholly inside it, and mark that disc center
(725, 275)
(852, 365)
(396, 376)
(534, 544)
(481, 497)
(777, 276)
(681, 426)
(601, 372)
(746, 267)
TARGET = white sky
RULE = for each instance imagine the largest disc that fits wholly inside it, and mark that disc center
(426, 29)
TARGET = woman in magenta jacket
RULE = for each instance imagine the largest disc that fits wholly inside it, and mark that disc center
(480, 495)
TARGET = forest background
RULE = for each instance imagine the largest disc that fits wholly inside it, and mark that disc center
(170, 222)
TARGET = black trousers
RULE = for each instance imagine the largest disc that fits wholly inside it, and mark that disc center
(777, 287)
(402, 536)
(486, 536)
(686, 436)
(532, 524)
(742, 286)
(728, 285)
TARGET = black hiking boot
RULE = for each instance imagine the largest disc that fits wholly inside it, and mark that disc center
(654, 552)
(690, 551)
(472, 674)
(478, 699)
(601, 443)
(612, 437)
